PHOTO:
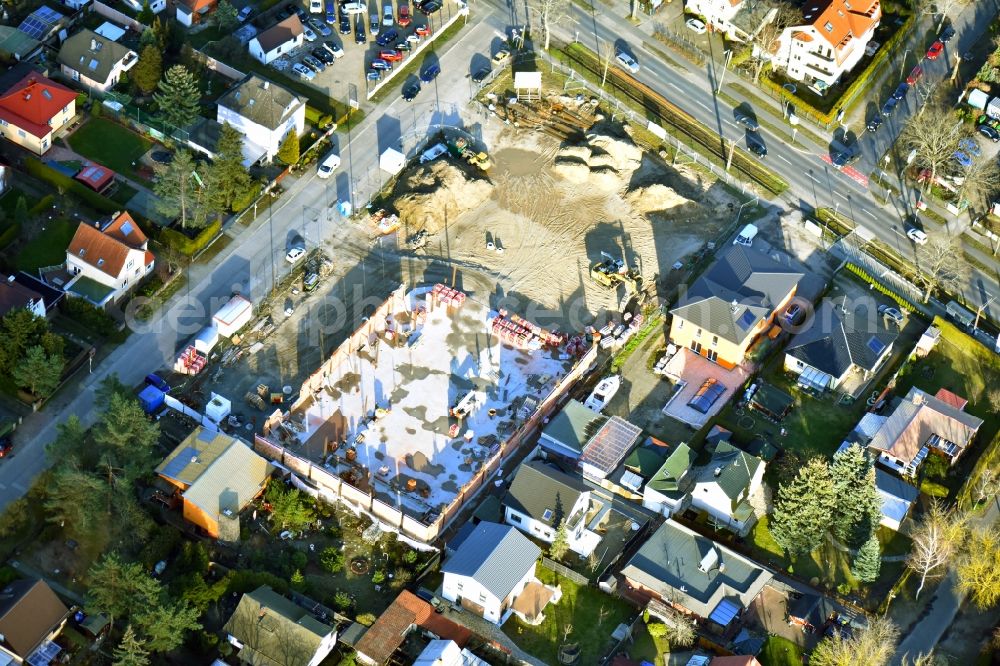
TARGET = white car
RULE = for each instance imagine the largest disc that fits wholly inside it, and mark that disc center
(334, 49)
(387, 17)
(328, 165)
(295, 254)
(696, 25)
(628, 62)
(303, 71)
(308, 33)
(916, 235)
(352, 8)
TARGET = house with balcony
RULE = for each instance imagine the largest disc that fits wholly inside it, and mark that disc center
(33, 110)
(106, 261)
(731, 304)
(738, 20)
(831, 40)
(94, 61)
(723, 487)
(541, 499)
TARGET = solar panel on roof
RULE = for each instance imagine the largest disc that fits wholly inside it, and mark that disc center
(725, 612)
(747, 320)
(876, 345)
(38, 24)
(177, 465)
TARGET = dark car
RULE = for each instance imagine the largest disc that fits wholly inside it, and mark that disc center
(845, 158)
(429, 7)
(403, 46)
(889, 106)
(411, 91)
(158, 382)
(794, 314)
(946, 34)
(323, 55)
(481, 75)
(874, 123)
(6, 446)
(388, 37)
(986, 131)
(901, 91)
(284, 12)
(331, 12)
(430, 73)
(162, 156)
(378, 63)
(345, 24)
(746, 120)
(360, 33)
(755, 144)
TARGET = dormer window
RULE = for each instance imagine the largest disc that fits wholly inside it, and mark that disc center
(100, 262)
(82, 251)
(828, 26)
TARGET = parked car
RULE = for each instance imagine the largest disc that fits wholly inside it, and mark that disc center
(935, 50)
(303, 71)
(916, 235)
(314, 64)
(404, 16)
(874, 123)
(845, 158)
(331, 12)
(245, 14)
(319, 27)
(351, 8)
(915, 74)
(892, 314)
(627, 62)
(166, 157)
(158, 382)
(430, 73)
(429, 7)
(403, 46)
(746, 120)
(308, 33)
(374, 22)
(328, 165)
(6, 446)
(900, 91)
(322, 55)
(410, 91)
(295, 254)
(501, 56)
(390, 55)
(345, 24)
(755, 144)
(423, 31)
(284, 12)
(696, 25)
(889, 106)
(946, 34)
(335, 49)
(360, 34)
(374, 74)
(386, 38)
(378, 63)
(989, 133)
(962, 158)
(480, 75)
(387, 16)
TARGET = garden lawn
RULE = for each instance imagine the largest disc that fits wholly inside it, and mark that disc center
(780, 651)
(49, 247)
(111, 145)
(592, 614)
(646, 647)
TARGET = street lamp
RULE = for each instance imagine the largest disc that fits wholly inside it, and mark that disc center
(725, 66)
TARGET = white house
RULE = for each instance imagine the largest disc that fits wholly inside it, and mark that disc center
(15, 296)
(264, 113)
(95, 61)
(106, 262)
(267, 628)
(897, 498)
(666, 492)
(542, 498)
(838, 345)
(723, 487)
(278, 40)
(492, 567)
(831, 41)
(738, 19)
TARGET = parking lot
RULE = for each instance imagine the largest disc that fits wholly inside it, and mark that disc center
(348, 37)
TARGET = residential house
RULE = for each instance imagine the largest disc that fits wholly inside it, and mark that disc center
(831, 40)
(739, 20)
(440, 652)
(106, 262)
(16, 44)
(51, 297)
(33, 110)
(897, 498)
(193, 12)
(838, 345)
(568, 432)
(921, 425)
(733, 302)
(268, 629)
(264, 112)
(490, 570)
(16, 296)
(31, 617)
(406, 614)
(542, 498)
(95, 61)
(638, 468)
(278, 40)
(217, 476)
(666, 492)
(724, 486)
(679, 567)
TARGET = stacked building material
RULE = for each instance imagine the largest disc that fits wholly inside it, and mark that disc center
(189, 361)
(444, 295)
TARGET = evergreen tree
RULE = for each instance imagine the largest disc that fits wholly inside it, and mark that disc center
(803, 509)
(145, 16)
(132, 649)
(165, 624)
(69, 446)
(226, 17)
(76, 499)
(126, 439)
(289, 150)
(858, 508)
(177, 191)
(227, 178)
(288, 510)
(118, 589)
(178, 97)
(560, 544)
(38, 373)
(149, 69)
(868, 561)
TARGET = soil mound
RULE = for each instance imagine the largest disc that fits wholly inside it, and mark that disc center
(436, 193)
(656, 198)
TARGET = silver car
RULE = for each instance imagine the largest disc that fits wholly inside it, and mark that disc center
(388, 19)
(303, 71)
(627, 61)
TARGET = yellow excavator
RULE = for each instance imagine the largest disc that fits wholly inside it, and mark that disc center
(610, 272)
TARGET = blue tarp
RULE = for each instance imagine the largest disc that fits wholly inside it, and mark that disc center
(725, 612)
(151, 399)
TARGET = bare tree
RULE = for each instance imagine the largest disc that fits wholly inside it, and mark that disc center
(872, 646)
(549, 12)
(940, 8)
(986, 484)
(933, 136)
(993, 395)
(979, 181)
(979, 568)
(929, 659)
(773, 16)
(940, 264)
(935, 541)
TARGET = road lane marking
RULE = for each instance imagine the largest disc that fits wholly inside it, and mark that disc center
(865, 210)
(674, 85)
(840, 194)
(701, 104)
(785, 159)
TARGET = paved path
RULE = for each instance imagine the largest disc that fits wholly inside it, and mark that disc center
(926, 633)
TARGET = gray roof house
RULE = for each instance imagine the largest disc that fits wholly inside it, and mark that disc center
(680, 567)
(723, 487)
(837, 344)
(897, 498)
(264, 112)
(568, 432)
(95, 61)
(545, 494)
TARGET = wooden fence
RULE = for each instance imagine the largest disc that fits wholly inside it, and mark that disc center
(565, 571)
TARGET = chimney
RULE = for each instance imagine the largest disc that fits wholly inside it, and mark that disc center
(93, 44)
(918, 397)
(261, 613)
(718, 471)
(735, 306)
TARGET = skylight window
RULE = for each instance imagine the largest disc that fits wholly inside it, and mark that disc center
(547, 515)
(876, 345)
(100, 262)
(93, 64)
(82, 251)
(46, 94)
(747, 320)
(127, 228)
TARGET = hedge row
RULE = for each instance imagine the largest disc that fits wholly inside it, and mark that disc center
(43, 204)
(860, 81)
(9, 234)
(879, 287)
(189, 246)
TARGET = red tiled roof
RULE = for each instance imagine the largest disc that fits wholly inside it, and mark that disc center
(390, 629)
(433, 622)
(949, 398)
(95, 176)
(125, 229)
(103, 252)
(32, 102)
(845, 21)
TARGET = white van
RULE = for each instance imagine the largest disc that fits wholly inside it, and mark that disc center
(746, 236)
(351, 8)
(315, 6)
